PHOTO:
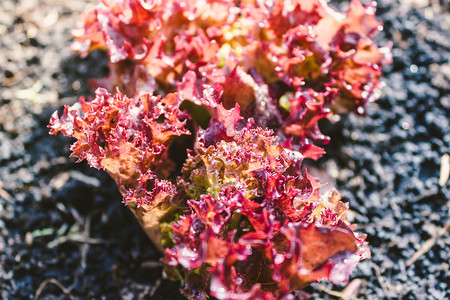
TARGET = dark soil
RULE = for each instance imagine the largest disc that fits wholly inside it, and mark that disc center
(65, 233)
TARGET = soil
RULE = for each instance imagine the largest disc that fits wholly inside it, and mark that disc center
(66, 235)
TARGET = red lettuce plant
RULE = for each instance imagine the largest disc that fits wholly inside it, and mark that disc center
(290, 63)
(212, 167)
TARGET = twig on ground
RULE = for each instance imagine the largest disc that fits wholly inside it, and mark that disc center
(79, 233)
(55, 282)
(331, 292)
(85, 246)
(5, 195)
(445, 169)
(78, 238)
(76, 216)
(381, 281)
(155, 288)
(428, 244)
(151, 264)
(352, 288)
(426, 195)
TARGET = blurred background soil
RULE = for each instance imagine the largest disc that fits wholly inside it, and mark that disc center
(66, 235)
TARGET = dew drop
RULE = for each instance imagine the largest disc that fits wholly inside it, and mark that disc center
(220, 293)
(370, 10)
(279, 259)
(360, 110)
(405, 125)
(76, 85)
(191, 17)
